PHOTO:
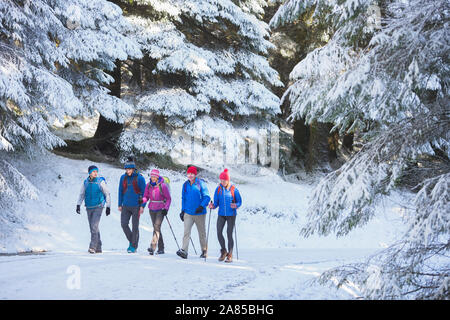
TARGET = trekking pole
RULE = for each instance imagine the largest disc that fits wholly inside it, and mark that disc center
(207, 235)
(193, 246)
(173, 233)
(235, 235)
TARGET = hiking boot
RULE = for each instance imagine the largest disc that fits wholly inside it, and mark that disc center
(160, 251)
(223, 254)
(183, 254)
(91, 250)
(131, 250)
(204, 254)
(229, 257)
(98, 251)
(150, 251)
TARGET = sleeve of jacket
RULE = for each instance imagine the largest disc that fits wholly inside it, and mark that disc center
(183, 197)
(205, 195)
(105, 191)
(81, 196)
(121, 190)
(238, 197)
(142, 185)
(166, 194)
(216, 198)
(147, 193)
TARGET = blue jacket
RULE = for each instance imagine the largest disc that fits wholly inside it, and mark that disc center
(94, 193)
(193, 196)
(130, 198)
(223, 200)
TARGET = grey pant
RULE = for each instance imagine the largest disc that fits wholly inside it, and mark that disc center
(157, 219)
(94, 216)
(133, 234)
(231, 220)
(199, 221)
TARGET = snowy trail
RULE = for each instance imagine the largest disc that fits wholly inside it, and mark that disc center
(263, 274)
(275, 262)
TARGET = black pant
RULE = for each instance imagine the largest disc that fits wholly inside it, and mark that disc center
(157, 219)
(132, 235)
(231, 220)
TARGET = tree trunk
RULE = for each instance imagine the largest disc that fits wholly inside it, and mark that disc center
(301, 138)
(108, 128)
(320, 152)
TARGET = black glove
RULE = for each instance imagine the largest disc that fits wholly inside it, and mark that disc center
(78, 209)
(164, 212)
(199, 209)
(108, 211)
(182, 215)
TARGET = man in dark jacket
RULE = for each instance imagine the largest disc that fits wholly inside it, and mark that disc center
(131, 191)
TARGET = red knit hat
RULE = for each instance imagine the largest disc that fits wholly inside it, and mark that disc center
(192, 170)
(225, 175)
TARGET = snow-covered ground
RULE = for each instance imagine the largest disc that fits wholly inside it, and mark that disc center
(274, 261)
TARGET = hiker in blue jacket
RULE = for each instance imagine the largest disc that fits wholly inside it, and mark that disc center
(95, 195)
(195, 198)
(228, 199)
(131, 191)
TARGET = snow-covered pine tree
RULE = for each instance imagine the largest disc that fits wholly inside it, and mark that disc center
(388, 81)
(204, 59)
(53, 58)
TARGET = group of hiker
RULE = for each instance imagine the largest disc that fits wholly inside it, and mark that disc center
(134, 195)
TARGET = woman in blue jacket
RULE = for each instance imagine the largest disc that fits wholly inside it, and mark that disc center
(228, 199)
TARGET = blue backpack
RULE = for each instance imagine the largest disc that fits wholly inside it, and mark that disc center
(93, 196)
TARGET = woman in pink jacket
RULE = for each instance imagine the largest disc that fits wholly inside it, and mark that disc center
(158, 195)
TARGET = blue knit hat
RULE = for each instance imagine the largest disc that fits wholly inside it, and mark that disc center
(130, 164)
(92, 168)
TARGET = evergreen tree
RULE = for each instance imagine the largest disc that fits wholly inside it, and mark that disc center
(386, 80)
(203, 59)
(54, 58)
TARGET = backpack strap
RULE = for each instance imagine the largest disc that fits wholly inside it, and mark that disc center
(232, 188)
(124, 184)
(134, 183)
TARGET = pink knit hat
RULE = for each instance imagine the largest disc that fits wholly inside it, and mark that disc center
(155, 173)
(225, 175)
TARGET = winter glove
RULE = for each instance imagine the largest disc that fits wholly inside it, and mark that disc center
(182, 215)
(78, 209)
(199, 209)
(108, 211)
(164, 212)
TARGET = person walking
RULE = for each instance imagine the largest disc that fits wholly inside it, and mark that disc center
(228, 199)
(131, 192)
(158, 194)
(95, 195)
(194, 200)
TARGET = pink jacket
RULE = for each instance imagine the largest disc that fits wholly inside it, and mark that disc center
(153, 194)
